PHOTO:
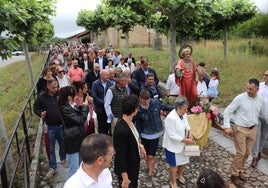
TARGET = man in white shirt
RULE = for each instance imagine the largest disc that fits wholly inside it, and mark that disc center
(96, 152)
(116, 58)
(262, 134)
(201, 84)
(101, 60)
(246, 109)
(172, 89)
(131, 66)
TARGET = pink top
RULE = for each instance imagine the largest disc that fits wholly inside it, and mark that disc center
(75, 75)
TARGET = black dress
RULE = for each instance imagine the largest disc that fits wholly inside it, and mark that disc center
(127, 157)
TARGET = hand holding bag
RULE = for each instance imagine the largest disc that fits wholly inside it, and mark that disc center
(192, 151)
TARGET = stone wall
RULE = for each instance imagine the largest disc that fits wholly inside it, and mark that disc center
(138, 37)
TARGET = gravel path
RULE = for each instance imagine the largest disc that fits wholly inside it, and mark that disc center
(213, 156)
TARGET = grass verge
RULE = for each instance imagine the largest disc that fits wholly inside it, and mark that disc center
(15, 87)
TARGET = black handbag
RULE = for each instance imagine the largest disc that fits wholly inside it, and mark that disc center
(73, 132)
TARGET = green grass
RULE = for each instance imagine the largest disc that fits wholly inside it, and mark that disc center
(15, 87)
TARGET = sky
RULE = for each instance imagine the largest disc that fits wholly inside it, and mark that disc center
(67, 11)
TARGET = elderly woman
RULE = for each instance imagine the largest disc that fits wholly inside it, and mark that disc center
(176, 136)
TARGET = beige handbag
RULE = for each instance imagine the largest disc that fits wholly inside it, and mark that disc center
(192, 151)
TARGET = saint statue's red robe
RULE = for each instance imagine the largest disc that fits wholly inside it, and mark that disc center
(186, 81)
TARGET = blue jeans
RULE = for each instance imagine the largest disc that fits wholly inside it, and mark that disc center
(74, 161)
(55, 133)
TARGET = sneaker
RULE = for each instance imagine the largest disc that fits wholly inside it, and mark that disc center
(50, 173)
(64, 162)
(149, 181)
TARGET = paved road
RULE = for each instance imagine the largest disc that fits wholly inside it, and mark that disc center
(11, 60)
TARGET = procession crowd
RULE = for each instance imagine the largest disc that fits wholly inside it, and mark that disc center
(85, 85)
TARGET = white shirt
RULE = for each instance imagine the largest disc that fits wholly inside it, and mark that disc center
(122, 66)
(213, 83)
(100, 62)
(172, 86)
(132, 67)
(86, 65)
(64, 81)
(175, 130)
(246, 110)
(116, 59)
(202, 88)
(263, 92)
(81, 180)
(107, 105)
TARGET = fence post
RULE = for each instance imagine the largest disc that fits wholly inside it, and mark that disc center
(4, 140)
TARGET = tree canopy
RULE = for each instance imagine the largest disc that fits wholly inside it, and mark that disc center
(20, 20)
(257, 26)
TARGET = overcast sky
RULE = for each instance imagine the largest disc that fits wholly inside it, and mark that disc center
(67, 11)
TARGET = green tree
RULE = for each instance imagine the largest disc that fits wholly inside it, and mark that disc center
(124, 19)
(173, 10)
(85, 19)
(126, 14)
(43, 33)
(227, 13)
(257, 26)
(95, 21)
(21, 17)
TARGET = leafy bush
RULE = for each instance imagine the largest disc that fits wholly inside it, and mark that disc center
(257, 26)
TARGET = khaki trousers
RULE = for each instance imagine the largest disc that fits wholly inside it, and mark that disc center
(244, 140)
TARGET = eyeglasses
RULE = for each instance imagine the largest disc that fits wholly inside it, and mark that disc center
(53, 68)
(265, 75)
(61, 71)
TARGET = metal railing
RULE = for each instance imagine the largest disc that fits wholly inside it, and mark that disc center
(16, 174)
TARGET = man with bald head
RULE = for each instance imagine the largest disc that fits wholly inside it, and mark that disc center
(99, 88)
(75, 73)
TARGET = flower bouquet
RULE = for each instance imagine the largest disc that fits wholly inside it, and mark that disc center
(210, 111)
(200, 120)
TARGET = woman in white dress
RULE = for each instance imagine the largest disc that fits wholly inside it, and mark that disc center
(177, 135)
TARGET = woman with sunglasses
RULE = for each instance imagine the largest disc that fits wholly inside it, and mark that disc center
(62, 78)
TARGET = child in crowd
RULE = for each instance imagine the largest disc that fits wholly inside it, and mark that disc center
(212, 91)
